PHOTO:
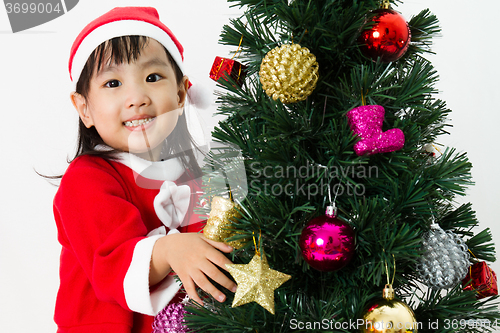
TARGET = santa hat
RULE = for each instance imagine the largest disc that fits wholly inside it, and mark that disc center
(125, 21)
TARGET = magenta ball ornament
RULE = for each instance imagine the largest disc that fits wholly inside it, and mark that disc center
(327, 243)
(171, 320)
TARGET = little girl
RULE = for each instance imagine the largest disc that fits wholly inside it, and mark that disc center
(122, 215)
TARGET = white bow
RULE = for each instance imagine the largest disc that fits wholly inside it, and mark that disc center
(171, 204)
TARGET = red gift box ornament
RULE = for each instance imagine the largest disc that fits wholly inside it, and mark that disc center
(224, 66)
(484, 280)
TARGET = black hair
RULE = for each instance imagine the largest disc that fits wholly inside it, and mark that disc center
(119, 50)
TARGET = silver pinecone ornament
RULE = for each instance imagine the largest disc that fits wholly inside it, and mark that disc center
(445, 258)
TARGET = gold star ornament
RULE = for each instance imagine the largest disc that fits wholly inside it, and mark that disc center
(256, 282)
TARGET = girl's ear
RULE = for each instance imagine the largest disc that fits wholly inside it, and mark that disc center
(80, 105)
(182, 93)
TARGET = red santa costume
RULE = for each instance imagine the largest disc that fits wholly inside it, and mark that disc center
(109, 213)
(108, 222)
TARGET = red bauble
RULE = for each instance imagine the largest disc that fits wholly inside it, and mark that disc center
(327, 243)
(388, 36)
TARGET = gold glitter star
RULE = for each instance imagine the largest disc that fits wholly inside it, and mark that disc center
(256, 282)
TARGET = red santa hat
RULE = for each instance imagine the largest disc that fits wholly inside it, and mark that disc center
(125, 21)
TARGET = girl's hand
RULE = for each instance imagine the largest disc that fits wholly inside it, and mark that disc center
(193, 258)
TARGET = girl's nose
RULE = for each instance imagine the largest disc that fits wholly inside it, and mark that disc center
(137, 96)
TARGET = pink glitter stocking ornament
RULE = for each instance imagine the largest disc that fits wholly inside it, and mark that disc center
(366, 122)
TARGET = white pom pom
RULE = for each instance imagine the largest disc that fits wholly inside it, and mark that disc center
(200, 96)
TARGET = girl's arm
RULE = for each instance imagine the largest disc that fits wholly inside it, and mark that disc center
(192, 257)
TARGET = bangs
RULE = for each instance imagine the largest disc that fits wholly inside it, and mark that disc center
(118, 50)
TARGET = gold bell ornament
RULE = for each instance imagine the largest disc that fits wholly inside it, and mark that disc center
(289, 72)
(219, 226)
(388, 315)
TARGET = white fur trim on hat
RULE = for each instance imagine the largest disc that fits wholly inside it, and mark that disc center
(199, 95)
(118, 29)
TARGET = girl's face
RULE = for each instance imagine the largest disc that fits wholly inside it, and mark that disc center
(134, 106)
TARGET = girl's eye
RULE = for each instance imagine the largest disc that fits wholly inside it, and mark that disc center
(113, 84)
(153, 78)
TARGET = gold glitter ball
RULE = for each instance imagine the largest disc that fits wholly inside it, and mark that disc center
(289, 72)
(256, 282)
(389, 315)
(219, 226)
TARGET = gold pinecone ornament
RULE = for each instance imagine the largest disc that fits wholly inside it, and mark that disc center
(289, 72)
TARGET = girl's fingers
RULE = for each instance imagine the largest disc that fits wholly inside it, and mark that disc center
(225, 282)
(218, 259)
(191, 290)
(201, 261)
(218, 245)
(215, 274)
(202, 282)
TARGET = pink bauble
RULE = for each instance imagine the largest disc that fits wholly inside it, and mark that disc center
(327, 243)
(171, 320)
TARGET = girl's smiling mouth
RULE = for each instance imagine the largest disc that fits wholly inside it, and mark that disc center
(136, 123)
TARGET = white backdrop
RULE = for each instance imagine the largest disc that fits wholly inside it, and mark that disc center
(40, 125)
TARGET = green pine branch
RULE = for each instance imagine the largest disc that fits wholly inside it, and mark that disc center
(398, 193)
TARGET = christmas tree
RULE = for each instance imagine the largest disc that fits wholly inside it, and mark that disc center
(333, 103)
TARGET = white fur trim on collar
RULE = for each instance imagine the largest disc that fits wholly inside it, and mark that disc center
(170, 169)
